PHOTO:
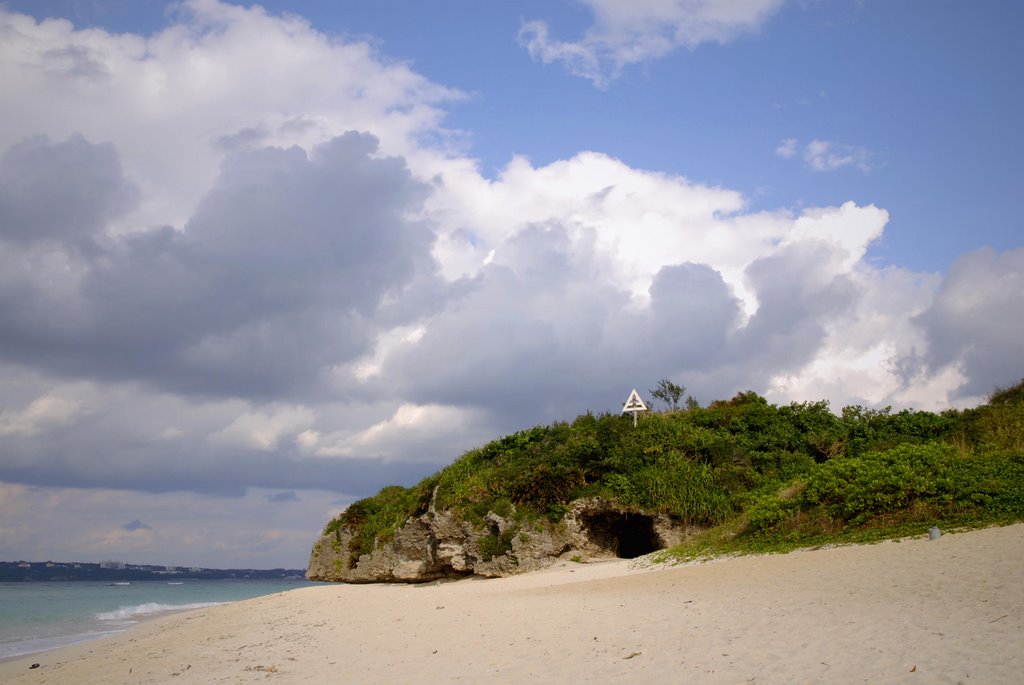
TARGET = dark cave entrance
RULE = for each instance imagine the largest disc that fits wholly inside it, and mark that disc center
(626, 535)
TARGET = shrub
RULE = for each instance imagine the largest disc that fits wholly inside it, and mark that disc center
(856, 489)
(496, 544)
(769, 511)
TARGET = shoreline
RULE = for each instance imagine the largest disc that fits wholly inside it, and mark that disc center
(916, 610)
(77, 639)
(46, 615)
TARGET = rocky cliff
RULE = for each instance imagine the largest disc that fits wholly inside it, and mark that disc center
(440, 545)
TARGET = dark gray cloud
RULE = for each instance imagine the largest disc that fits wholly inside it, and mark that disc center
(282, 271)
(692, 313)
(135, 524)
(526, 338)
(799, 299)
(290, 265)
(61, 192)
(975, 321)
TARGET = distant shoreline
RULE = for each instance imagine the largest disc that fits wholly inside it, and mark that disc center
(73, 571)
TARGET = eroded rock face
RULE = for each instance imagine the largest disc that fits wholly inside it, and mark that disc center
(438, 545)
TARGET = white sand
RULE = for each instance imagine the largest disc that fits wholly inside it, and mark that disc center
(918, 611)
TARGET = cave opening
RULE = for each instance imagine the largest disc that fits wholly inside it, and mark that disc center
(626, 535)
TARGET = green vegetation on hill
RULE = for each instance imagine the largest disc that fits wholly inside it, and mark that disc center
(760, 477)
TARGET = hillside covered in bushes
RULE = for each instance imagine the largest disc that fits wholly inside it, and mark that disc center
(749, 474)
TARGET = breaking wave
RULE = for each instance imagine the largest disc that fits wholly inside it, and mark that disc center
(129, 613)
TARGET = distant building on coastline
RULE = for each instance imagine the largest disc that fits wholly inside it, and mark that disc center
(115, 565)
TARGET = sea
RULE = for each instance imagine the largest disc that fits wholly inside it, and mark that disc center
(36, 616)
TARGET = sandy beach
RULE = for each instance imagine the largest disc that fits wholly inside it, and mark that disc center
(949, 610)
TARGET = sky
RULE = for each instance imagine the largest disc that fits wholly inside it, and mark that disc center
(259, 261)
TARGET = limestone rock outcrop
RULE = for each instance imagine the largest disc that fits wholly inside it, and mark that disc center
(440, 544)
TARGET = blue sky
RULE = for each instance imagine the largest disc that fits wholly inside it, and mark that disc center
(261, 262)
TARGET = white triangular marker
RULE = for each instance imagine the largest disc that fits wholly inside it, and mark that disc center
(634, 403)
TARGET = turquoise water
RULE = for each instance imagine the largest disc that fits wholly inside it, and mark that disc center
(36, 616)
